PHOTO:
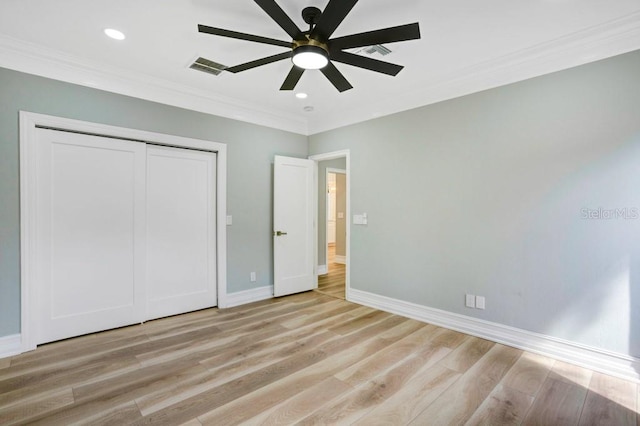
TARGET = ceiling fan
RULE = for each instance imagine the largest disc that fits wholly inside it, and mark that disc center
(315, 49)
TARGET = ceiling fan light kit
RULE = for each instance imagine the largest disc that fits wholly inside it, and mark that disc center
(310, 56)
(315, 49)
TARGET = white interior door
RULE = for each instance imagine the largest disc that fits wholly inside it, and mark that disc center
(90, 233)
(331, 232)
(293, 213)
(331, 207)
(181, 231)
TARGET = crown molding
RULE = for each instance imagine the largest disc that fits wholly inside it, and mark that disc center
(588, 45)
(34, 59)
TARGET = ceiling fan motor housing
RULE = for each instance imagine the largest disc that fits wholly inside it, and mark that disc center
(308, 41)
(310, 54)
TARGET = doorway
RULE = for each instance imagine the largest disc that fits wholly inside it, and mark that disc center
(333, 225)
(333, 282)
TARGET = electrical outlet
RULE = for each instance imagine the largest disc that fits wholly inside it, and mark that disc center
(480, 302)
(470, 301)
(253, 277)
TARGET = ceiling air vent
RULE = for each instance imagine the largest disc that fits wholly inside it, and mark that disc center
(210, 67)
(378, 48)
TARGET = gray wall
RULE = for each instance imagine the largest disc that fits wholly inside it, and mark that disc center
(481, 194)
(339, 163)
(250, 156)
(485, 194)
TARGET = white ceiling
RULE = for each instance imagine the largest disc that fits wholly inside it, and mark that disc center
(466, 46)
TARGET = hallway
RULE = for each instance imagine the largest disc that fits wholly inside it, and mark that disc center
(333, 283)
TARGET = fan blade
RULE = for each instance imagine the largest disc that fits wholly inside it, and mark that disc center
(367, 63)
(331, 18)
(281, 18)
(336, 78)
(242, 36)
(292, 79)
(371, 38)
(259, 62)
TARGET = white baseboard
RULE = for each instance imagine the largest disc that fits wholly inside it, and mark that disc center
(340, 259)
(249, 296)
(322, 269)
(10, 345)
(611, 363)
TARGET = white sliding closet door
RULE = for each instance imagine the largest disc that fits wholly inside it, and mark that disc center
(90, 233)
(125, 232)
(181, 231)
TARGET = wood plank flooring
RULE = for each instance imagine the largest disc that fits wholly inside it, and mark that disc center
(333, 282)
(304, 359)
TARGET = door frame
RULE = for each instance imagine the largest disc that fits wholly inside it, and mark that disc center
(326, 179)
(29, 122)
(346, 154)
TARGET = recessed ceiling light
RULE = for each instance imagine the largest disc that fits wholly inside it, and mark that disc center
(308, 108)
(114, 34)
(301, 95)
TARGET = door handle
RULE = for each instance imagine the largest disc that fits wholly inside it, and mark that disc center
(279, 233)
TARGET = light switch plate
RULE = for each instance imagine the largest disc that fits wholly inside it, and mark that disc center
(480, 302)
(229, 220)
(360, 219)
(470, 301)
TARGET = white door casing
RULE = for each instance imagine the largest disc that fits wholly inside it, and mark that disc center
(293, 220)
(181, 231)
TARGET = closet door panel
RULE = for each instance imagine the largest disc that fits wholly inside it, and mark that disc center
(181, 231)
(90, 234)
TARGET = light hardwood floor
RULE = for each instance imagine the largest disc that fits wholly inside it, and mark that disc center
(333, 282)
(302, 359)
